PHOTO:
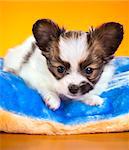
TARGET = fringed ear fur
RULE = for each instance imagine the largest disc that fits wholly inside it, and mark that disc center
(106, 38)
(46, 31)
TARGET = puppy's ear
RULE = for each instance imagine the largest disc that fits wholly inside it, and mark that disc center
(45, 31)
(106, 38)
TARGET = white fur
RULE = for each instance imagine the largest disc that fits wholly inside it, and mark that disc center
(14, 58)
(73, 50)
(36, 74)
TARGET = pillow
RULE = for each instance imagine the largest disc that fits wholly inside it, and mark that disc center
(22, 109)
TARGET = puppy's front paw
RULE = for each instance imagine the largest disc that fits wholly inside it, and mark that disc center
(93, 100)
(52, 101)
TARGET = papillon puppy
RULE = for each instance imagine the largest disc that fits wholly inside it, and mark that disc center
(76, 64)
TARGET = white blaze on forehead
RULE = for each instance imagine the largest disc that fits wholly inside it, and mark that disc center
(73, 49)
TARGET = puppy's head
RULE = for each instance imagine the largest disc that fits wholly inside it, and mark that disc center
(76, 59)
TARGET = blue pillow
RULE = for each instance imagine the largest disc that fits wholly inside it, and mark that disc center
(19, 99)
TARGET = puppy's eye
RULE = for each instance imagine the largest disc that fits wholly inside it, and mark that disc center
(61, 69)
(88, 70)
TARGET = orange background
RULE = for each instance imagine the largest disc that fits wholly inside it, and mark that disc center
(17, 18)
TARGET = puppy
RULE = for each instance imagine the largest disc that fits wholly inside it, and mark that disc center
(57, 62)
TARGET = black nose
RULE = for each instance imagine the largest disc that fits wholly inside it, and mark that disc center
(73, 88)
(85, 87)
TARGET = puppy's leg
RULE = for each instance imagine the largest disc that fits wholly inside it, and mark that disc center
(52, 100)
(93, 100)
(37, 81)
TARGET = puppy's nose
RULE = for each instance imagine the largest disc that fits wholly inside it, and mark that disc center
(73, 88)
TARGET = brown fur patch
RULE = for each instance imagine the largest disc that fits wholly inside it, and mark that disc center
(102, 44)
(54, 61)
(45, 31)
(47, 34)
(105, 39)
(27, 56)
(96, 64)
